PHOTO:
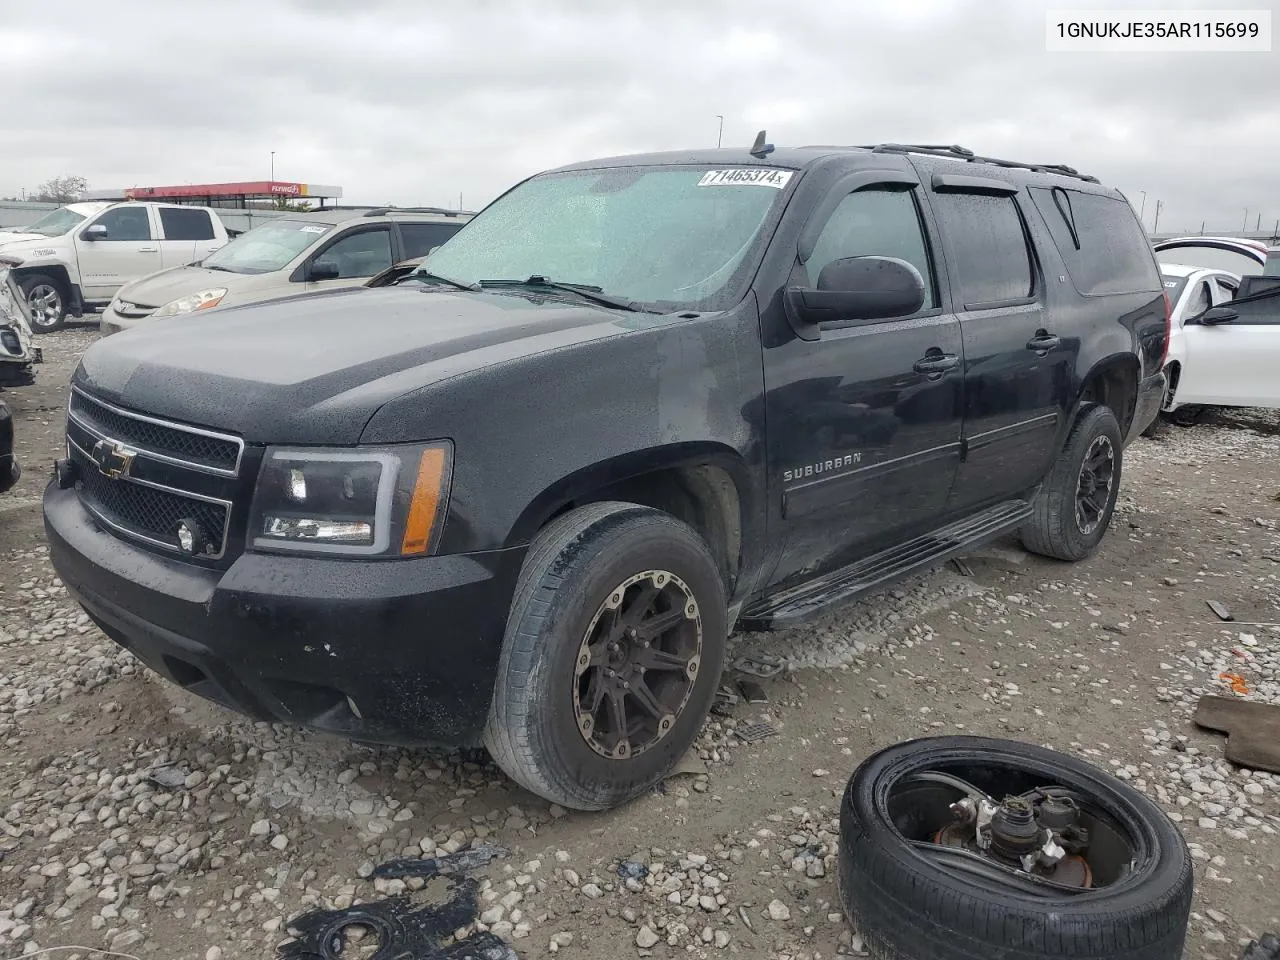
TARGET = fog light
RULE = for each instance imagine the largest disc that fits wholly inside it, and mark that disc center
(190, 536)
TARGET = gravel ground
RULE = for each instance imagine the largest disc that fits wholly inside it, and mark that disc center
(137, 819)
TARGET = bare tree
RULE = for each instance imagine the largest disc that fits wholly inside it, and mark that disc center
(61, 190)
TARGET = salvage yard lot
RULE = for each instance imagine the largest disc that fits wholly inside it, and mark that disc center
(1105, 659)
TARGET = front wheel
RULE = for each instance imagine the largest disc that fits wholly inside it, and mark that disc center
(613, 651)
(1073, 510)
(47, 301)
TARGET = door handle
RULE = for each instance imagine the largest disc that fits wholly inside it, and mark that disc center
(1043, 342)
(148, 249)
(936, 363)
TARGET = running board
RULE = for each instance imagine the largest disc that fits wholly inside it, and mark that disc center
(803, 602)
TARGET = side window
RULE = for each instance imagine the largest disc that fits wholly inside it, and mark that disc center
(1198, 300)
(988, 246)
(126, 223)
(877, 222)
(182, 224)
(1264, 311)
(360, 254)
(1114, 253)
(420, 237)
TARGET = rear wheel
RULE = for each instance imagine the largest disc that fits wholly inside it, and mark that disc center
(1074, 507)
(47, 298)
(614, 647)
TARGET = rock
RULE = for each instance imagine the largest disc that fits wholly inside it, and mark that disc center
(279, 841)
(779, 910)
(260, 828)
(123, 941)
(721, 939)
(491, 916)
(708, 904)
(362, 807)
(646, 938)
(591, 891)
(213, 953)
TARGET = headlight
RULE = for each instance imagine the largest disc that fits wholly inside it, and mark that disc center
(196, 301)
(363, 501)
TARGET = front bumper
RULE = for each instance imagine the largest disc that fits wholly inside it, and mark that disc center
(390, 651)
(1147, 407)
(112, 322)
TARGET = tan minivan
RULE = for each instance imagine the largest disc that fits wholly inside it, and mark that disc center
(300, 253)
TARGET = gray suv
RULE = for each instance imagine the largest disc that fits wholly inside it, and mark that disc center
(300, 253)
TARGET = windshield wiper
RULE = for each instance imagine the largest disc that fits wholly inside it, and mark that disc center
(214, 266)
(584, 290)
(436, 278)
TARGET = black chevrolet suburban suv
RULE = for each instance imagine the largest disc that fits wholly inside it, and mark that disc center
(520, 497)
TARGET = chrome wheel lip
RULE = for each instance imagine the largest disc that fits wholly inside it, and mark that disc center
(1094, 485)
(663, 580)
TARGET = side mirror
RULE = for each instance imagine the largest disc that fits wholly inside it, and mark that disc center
(1214, 316)
(855, 288)
(96, 231)
(323, 270)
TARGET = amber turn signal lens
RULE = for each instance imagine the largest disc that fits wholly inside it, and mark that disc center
(425, 503)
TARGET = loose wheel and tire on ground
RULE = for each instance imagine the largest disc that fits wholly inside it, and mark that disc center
(47, 298)
(613, 651)
(1073, 510)
(1076, 864)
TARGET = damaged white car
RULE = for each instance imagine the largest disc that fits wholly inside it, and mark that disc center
(1224, 344)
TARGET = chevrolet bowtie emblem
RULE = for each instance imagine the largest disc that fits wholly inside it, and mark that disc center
(113, 459)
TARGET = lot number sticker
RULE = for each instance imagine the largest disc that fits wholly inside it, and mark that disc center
(746, 178)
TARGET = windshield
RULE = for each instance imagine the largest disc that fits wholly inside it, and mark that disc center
(54, 223)
(1173, 286)
(1272, 269)
(675, 236)
(266, 248)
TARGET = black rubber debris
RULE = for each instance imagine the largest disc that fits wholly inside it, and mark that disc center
(1267, 948)
(402, 930)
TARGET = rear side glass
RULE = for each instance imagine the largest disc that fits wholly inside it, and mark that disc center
(988, 247)
(1113, 254)
(418, 238)
(182, 224)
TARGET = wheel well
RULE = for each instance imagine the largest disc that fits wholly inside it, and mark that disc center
(54, 271)
(1116, 386)
(703, 496)
(1174, 372)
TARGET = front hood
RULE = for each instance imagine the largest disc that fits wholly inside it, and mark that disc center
(28, 243)
(159, 288)
(314, 368)
(7, 236)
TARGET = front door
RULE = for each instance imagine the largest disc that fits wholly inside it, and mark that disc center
(358, 255)
(128, 251)
(1018, 362)
(1233, 363)
(864, 422)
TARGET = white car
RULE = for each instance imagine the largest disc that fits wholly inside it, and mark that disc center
(1224, 346)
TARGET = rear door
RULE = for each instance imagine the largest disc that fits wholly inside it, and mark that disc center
(130, 249)
(187, 235)
(1018, 365)
(1233, 363)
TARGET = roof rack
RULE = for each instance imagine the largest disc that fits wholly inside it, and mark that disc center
(383, 211)
(963, 153)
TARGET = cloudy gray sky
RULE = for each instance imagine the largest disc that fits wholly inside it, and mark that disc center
(409, 102)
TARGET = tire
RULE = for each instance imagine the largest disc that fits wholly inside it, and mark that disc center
(50, 312)
(906, 906)
(579, 562)
(1058, 529)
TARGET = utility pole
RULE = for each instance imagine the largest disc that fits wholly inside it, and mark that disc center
(1245, 225)
(273, 166)
(1143, 212)
(1156, 226)
(1202, 228)
(1258, 226)
(720, 135)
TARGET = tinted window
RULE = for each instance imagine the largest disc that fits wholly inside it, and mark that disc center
(360, 254)
(988, 246)
(420, 237)
(126, 223)
(1114, 256)
(880, 223)
(180, 224)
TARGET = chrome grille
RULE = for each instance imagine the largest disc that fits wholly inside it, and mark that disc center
(162, 440)
(148, 512)
(176, 472)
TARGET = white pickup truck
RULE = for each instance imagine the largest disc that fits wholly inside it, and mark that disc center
(75, 258)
